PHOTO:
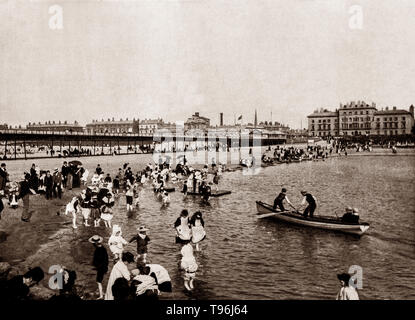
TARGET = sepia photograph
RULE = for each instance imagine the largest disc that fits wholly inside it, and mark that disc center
(177, 151)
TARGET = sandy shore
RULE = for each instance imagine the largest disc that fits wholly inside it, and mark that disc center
(39, 242)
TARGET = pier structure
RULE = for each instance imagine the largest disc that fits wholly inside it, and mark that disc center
(22, 144)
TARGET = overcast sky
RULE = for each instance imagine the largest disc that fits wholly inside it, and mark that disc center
(171, 58)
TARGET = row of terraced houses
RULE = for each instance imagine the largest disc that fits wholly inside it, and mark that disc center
(360, 118)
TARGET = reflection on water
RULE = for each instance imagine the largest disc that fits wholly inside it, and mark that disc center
(246, 258)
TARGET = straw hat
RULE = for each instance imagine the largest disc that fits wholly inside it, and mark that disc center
(142, 229)
(96, 239)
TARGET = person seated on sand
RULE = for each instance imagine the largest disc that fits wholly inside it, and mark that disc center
(18, 287)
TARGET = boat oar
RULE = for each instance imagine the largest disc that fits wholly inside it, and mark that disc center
(265, 215)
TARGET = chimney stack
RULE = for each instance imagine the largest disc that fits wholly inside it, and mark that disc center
(221, 119)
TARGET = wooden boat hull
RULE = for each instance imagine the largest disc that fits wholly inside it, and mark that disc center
(326, 223)
(213, 193)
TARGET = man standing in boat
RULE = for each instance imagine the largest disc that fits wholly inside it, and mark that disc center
(278, 202)
(312, 204)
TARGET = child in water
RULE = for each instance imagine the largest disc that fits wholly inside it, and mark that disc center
(189, 265)
(129, 197)
(72, 208)
(183, 231)
(165, 199)
(116, 242)
(106, 215)
(95, 211)
(198, 230)
(185, 188)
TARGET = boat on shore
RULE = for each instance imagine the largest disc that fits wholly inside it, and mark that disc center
(321, 222)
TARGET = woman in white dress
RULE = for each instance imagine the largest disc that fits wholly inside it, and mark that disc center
(120, 270)
(198, 230)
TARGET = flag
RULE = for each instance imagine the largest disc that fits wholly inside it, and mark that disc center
(240, 117)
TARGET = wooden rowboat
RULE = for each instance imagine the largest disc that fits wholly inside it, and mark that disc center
(213, 193)
(321, 222)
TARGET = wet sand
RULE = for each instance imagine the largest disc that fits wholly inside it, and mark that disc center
(27, 241)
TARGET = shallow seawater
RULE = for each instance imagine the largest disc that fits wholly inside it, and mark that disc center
(246, 258)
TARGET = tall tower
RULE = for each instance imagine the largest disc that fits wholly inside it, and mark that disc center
(221, 119)
(411, 109)
(256, 120)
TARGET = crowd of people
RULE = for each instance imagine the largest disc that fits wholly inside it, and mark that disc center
(131, 276)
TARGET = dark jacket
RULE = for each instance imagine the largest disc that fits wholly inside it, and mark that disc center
(24, 189)
(141, 243)
(100, 261)
(57, 178)
(3, 179)
(49, 182)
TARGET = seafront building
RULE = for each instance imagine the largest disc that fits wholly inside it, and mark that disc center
(148, 127)
(52, 126)
(196, 126)
(360, 118)
(112, 126)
